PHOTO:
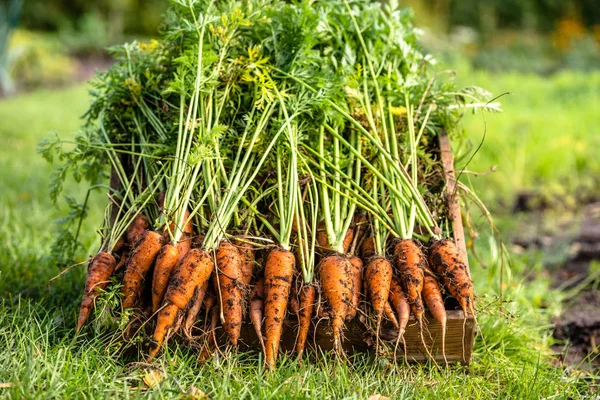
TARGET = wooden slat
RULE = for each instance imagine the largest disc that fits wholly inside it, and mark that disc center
(452, 197)
(459, 338)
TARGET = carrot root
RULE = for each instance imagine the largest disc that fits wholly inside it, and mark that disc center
(229, 264)
(165, 262)
(195, 269)
(257, 304)
(308, 295)
(279, 269)
(99, 272)
(357, 277)
(140, 261)
(336, 281)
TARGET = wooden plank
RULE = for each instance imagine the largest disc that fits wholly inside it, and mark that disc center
(452, 197)
(459, 338)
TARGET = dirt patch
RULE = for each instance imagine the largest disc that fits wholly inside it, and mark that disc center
(579, 325)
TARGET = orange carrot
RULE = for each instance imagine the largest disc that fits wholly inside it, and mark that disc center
(119, 245)
(435, 302)
(348, 240)
(323, 241)
(165, 262)
(279, 270)
(99, 272)
(229, 264)
(410, 262)
(357, 272)
(185, 242)
(308, 295)
(389, 313)
(378, 277)
(446, 261)
(122, 260)
(190, 274)
(336, 281)
(140, 261)
(257, 304)
(136, 230)
(400, 304)
(209, 301)
(248, 264)
(294, 300)
(367, 248)
(194, 310)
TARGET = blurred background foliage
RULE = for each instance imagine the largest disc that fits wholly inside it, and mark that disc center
(57, 38)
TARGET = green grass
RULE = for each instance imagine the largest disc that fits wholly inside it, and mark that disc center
(41, 359)
(545, 141)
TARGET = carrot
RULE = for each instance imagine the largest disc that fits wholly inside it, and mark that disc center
(357, 272)
(229, 264)
(389, 313)
(209, 301)
(323, 241)
(165, 262)
(400, 304)
(378, 278)
(136, 230)
(402, 308)
(194, 310)
(279, 270)
(139, 263)
(248, 264)
(446, 261)
(119, 245)
(98, 275)
(336, 281)
(348, 240)
(367, 248)
(122, 260)
(294, 299)
(410, 261)
(257, 304)
(433, 298)
(185, 242)
(308, 295)
(190, 274)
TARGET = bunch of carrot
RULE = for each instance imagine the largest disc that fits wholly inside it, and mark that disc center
(263, 172)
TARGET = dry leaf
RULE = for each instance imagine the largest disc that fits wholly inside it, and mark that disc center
(153, 378)
(378, 397)
(194, 393)
(5, 385)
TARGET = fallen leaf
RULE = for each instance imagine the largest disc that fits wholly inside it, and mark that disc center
(378, 397)
(193, 393)
(5, 385)
(153, 378)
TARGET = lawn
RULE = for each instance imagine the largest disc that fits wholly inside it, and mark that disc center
(548, 137)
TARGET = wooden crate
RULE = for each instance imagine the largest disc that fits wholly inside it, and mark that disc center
(460, 334)
(460, 331)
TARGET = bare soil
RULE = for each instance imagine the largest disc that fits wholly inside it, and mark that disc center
(579, 325)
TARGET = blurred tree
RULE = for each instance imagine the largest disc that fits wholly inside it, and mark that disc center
(9, 17)
(120, 16)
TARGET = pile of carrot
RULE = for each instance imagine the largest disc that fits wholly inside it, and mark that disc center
(266, 180)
